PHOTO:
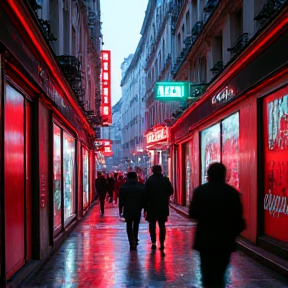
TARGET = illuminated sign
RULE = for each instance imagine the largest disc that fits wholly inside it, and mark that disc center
(223, 96)
(106, 111)
(158, 134)
(172, 91)
(104, 146)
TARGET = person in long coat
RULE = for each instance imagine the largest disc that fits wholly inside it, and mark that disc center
(131, 195)
(217, 208)
(158, 190)
(101, 188)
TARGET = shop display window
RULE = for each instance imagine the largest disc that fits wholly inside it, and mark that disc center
(220, 143)
(276, 166)
(57, 175)
(230, 148)
(85, 157)
(69, 175)
(210, 149)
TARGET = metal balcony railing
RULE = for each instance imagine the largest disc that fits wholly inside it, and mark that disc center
(239, 45)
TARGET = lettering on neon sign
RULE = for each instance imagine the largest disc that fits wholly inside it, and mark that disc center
(177, 91)
(159, 134)
(223, 96)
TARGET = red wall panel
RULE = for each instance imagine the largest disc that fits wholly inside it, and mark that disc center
(14, 180)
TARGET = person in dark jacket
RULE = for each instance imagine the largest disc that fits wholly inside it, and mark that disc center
(101, 188)
(158, 190)
(217, 208)
(131, 195)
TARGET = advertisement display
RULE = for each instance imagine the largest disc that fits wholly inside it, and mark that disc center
(85, 179)
(57, 175)
(210, 149)
(230, 149)
(275, 200)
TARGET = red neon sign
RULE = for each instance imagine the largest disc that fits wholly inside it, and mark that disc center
(158, 134)
(106, 111)
(104, 146)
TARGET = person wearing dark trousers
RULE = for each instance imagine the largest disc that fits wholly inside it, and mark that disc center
(131, 195)
(101, 188)
(110, 188)
(217, 208)
(158, 190)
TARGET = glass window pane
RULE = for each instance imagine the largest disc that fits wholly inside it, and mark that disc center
(69, 175)
(230, 148)
(210, 148)
(85, 177)
(57, 175)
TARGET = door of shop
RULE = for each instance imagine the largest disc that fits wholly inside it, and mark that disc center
(14, 184)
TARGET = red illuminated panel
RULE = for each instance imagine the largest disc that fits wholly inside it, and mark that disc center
(275, 200)
(106, 111)
(104, 146)
(158, 134)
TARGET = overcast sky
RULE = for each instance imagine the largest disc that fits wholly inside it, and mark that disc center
(121, 25)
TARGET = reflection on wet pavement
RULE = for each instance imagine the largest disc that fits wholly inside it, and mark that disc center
(97, 254)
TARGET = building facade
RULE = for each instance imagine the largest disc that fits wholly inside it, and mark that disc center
(49, 102)
(237, 49)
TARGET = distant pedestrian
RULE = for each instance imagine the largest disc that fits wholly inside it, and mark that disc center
(117, 185)
(217, 208)
(158, 189)
(110, 188)
(101, 188)
(131, 195)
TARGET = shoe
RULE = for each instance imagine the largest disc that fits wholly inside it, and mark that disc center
(153, 246)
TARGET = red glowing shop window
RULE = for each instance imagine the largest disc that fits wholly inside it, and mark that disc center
(276, 165)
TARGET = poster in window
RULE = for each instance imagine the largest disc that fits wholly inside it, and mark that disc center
(210, 149)
(275, 200)
(230, 149)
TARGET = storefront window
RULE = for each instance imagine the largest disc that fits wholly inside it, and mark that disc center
(57, 175)
(210, 148)
(276, 166)
(85, 177)
(230, 148)
(69, 175)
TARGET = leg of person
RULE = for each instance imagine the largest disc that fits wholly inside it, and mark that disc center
(213, 267)
(152, 231)
(102, 200)
(130, 234)
(136, 229)
(162, 232)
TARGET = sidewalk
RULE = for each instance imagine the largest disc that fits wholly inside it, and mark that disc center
(268, 259)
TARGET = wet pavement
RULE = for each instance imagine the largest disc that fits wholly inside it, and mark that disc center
(97, 254)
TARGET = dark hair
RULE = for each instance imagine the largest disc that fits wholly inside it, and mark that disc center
(157, 169)
(132, 175)
(216, 171)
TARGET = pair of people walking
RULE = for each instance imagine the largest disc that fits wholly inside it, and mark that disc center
(153, 196)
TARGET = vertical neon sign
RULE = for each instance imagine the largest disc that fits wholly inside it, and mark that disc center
(106, 112)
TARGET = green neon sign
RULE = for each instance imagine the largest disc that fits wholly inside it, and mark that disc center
(172, 91)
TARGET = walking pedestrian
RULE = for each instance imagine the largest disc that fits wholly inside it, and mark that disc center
(110, 187)
(101, 187)
(117, 185)
(131, 195)
(217, 208)
(158, 189)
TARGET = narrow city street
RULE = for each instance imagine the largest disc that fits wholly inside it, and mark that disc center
(97, 254)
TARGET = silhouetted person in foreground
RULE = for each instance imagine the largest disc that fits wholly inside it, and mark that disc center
(217, 208)
(158, 189)
(101, 188)
(131, 196)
